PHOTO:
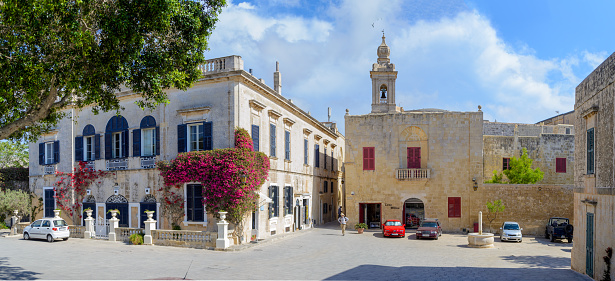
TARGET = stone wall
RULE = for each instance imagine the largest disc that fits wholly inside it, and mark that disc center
(531, 205)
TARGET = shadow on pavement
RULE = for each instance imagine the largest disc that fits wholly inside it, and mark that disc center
(540, 261)
(14, 272)
(377, 272)
(558, 243)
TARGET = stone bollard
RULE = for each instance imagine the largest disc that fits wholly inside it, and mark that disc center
(14, 222)
(150, 224)
(222, 242)
(113, 224)
(89, 226)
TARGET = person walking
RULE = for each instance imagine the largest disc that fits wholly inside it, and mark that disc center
(343, 220)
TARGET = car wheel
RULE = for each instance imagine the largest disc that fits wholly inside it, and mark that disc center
(552, 238)
(49, 238)
(546, 234)
(417, 238)
(26, 236)
(520, 240)
(66, 239)
(437, 237)
(570, 240)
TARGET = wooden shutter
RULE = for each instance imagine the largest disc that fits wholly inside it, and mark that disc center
(305, 151)
(108, 145)
(590, 151)
(157, 140)
(287, 145)
(97, 146)
(125, 144)
(181, 138)
(256, 137)
(316, 155)
(41, 153)
(368, 158)
(79, 149)
(413, 157)
(560, 165)
(56, 151)
(207, 136)
(505, 164)
(136, 143)
(454, 207)
(272, 140)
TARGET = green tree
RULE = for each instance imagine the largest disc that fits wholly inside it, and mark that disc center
(56, 53)
(13, 154)
(521, 171)
(496, 178)
(11, 200)
(494, 209)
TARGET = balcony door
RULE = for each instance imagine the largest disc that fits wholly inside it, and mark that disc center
(414, 157)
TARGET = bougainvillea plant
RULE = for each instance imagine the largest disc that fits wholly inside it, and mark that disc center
(71, 188)
(220, 172)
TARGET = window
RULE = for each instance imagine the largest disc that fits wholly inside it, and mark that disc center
(88, 144)
(505, 164)
(325, 208)
(316, 155)
(325, 167)
(326, 187)
(116, 138)
(305, 151)
(194, 137)
(255, 137)
(273, 206)
(87, 147)
(49, 153)
(331, 187)
(368, 159)
(272, 140)
(413, 157)
(332, 160)
(148, 142)
(454, 207)
(288, 200)
(49, 201)
(116, 145)
(590, 151)
(560, 165)
(287, 145)
(194, 203)
(46, 223)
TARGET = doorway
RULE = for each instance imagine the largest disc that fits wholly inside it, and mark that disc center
(370, 214)
(414, 212)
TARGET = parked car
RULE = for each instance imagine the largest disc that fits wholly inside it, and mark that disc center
(559, 228)
(49, 228)
(393, 228)
(511, 231)
(430, 228)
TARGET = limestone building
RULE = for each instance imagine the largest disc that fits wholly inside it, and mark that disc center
(304, 182)
(594, 193)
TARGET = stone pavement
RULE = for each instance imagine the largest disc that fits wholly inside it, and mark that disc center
(318, 254)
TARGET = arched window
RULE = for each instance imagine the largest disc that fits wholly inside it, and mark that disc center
(87, 146)
(116, 138)
(146, 139)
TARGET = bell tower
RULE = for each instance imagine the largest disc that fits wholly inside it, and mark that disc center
(383, 76)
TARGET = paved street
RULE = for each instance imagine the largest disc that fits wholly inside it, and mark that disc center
(321, 253)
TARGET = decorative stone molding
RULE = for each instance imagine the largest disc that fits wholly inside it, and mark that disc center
(257, 105)
(590, 111)
(307, 131)
(326, 141)
(198, 109)
(289, 122)
(317, 137)
(195, 113)
(274, 114)
(333, 145)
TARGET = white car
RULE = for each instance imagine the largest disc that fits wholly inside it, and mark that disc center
(49, 228)
(510, 231)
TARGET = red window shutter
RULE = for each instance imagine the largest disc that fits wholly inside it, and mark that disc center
(457, 206)
(368, 158)
(505, 163)
(454, 207)
(414, 157)
(560, 165)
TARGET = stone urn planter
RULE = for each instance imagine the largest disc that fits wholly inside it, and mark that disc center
(88, 212)
(15, 212)
(222, 216)
(114, 213)
(56, 213)
(150, 215)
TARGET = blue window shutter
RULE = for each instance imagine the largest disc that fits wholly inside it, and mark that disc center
(136, 143)
(207, 136)
(126, 144)
(79, 149)
(287, 145)
(108, 145)
(305, 151)
(157, 140)
(41, 154)
(316, 156)
(272, 140)
(97, 146)
(181, 138)
(56, 151)
(255, 137)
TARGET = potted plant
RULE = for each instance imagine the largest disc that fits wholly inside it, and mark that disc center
(114, 212)
(88, 212)
(360, 227)
(150, 214)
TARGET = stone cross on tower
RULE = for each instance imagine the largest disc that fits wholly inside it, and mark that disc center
(383, 76)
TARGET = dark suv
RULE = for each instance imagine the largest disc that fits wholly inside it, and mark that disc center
(559, 228)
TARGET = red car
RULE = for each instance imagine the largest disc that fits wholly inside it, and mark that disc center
(393, 228)
(429, 229)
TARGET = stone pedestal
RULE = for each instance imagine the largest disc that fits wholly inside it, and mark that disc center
(476, 240)
(113, 224)
(14, 222)
(89, 228)
(222, 242)
(150, 225)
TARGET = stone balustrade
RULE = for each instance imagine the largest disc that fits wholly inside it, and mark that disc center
(184, 238)
(76, 231)
(221, 64)
(123, 233)
(412, 174)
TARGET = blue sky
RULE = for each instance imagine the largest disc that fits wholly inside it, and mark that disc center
(519, 60)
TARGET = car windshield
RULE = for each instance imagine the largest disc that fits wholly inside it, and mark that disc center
(429, 224)
(393, 223)
(511, 226)
(59, 223)
(559, 221)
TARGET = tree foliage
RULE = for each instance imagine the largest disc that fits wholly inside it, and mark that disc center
(494, 209)
(11, 200)
(521, 171)
(13, 153)
(55, 53)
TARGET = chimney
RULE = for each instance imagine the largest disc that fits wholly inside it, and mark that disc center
(277, 79)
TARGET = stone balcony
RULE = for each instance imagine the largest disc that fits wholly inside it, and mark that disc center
(223, 64)
(412, 174)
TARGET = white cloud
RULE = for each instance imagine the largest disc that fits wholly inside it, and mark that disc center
(245, 5)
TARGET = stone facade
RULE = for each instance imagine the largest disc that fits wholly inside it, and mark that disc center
(225, 97)
(594, 197)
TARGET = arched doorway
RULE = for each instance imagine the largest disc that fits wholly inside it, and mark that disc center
(121, 203)
(89, 202)
(149, 204)
(414, 212)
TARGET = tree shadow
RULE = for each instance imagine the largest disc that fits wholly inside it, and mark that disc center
(539, 261)
(14, 272)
